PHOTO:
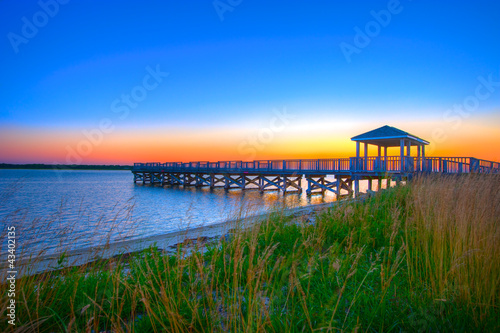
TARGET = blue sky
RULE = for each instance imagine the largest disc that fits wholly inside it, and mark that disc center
(230, 73)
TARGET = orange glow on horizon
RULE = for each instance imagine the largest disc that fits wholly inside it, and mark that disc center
(126, 146)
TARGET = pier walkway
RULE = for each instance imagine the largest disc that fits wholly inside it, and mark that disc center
(286, 175)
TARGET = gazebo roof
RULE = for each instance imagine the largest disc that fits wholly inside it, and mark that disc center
(388, 136)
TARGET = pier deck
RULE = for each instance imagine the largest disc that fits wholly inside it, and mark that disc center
(286, 175)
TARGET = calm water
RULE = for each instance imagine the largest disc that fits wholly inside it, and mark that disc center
(76, 209)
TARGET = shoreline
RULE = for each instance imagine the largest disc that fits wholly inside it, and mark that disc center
(78, 257)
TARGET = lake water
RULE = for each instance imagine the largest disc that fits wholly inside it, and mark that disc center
(54, 210)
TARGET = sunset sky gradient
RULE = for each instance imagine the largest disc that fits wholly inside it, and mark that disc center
(117, 82)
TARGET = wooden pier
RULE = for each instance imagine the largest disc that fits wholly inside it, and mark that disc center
(286, 175)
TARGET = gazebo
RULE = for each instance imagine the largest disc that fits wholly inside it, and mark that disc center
(387, 137)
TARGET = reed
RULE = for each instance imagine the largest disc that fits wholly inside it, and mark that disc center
(453, 237)
(419, 257)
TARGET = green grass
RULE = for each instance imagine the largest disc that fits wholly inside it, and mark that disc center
(422, 257)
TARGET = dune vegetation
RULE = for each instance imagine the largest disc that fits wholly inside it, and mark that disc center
(420, 257)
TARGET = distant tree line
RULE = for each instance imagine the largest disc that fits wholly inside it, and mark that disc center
(64, 166)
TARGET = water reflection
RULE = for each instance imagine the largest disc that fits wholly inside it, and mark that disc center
(74, 209)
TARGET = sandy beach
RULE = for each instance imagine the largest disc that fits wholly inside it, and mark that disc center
(166, 242)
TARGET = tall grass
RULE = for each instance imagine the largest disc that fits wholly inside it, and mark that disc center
(421, 257)
(453, 237)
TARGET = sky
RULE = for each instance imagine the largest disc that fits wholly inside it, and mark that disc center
(118, 82)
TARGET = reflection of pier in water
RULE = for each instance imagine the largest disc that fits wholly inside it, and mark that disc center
(286, 175)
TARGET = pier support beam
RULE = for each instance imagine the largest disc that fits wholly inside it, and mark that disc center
(319, 184)
(356, 186)
(272, 182)
(237, 180)
(138, 177)
(216, 179)
(146, 179)
(284, 183)
(292, 181)
(156, 178)
(176, 179)
(202, 180)
(252, 180)
(345, 184)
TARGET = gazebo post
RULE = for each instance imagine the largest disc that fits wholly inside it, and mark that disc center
(365, 162)
(402, 154)
(357, 156)
(408, 154)
(356, 165)
(385, 158)
(380, 168)
(423, 159)
(379, 153)
(419, 147)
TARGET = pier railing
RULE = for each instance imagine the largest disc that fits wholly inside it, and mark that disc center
(390, 164)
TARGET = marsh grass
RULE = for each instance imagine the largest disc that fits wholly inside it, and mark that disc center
(421, 257)
(453, 237)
